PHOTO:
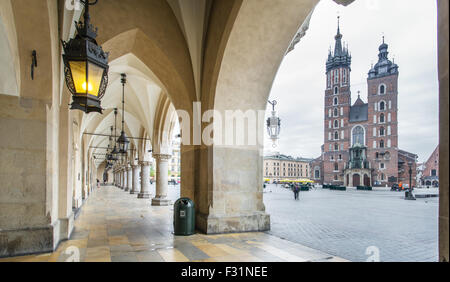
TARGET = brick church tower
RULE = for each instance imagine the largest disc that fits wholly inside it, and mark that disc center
(382, 135)
(361, 140)
(337, 109)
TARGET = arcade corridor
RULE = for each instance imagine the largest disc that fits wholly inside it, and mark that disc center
(114, 226)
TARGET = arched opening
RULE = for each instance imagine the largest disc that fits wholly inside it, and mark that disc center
(356, 180)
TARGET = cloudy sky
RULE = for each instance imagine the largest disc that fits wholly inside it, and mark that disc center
(410, 31)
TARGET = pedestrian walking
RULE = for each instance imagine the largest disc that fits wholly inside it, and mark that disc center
(296, 190)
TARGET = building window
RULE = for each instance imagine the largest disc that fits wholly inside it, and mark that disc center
(382, 106)
(340, 157)
(382, 132)
(358, 136)
(336, 167)
(433, 172)
(336, 90)
(382, 166)
(335, 101)
(382, 89)
(336, 135)
(382, 144)
(336, 124)
(382, 118)
(336, 113)
(336, 147)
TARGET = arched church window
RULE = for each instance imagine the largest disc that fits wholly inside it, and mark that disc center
(336, 167)
(336, 112)
(382, 106)
(336, 90)
(336, 135)
(358, 136)
(382, 119)
(336, 124)
(336, 147)
(382, 144)
(382, 132)
(335, 101)
(382, 89)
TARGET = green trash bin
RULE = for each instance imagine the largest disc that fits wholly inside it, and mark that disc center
(184, 217)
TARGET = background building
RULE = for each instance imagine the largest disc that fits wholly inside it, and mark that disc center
(278, 167)
(430, 175)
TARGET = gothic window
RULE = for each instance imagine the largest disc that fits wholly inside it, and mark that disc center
(336, 135)
(336, 147)
(382, 131)
(336, 124)
(358, 136)
(382, 120)
(344, 71)
(382, 89)
(336, 167)
(335, 101)
(382, 106)
(336, 113)
(336, 90)
(382, 144)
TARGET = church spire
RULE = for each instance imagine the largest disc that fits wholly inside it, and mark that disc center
(341, 56)
(338, 37)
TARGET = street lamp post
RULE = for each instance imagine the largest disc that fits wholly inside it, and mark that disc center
(409, 195)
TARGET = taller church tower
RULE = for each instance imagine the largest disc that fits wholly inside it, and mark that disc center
(337, 108)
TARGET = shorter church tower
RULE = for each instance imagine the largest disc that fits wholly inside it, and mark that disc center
(383, 121)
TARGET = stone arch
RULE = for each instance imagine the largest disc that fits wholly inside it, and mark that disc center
(256, 31)
(144, 34)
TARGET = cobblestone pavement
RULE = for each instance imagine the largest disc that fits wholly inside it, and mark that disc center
(345, 224)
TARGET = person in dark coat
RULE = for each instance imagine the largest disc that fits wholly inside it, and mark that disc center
(296, 190)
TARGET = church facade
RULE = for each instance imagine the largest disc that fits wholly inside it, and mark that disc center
(361, 139)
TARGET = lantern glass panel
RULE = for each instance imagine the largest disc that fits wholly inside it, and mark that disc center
(93, 81)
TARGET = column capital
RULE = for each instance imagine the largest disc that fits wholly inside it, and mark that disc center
(162, 157)
(145, 163)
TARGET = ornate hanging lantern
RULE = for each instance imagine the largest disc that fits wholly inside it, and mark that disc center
(274, 125)
(123, 139)
(85, 66)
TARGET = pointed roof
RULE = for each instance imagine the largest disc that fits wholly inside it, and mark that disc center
(340, 57)
(384, 66)
(358, 102)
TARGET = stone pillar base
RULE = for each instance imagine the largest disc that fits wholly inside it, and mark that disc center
(254, 222)
(28, 241)
(161, 202)
(127, 189)
(134, 192)
(143, 196)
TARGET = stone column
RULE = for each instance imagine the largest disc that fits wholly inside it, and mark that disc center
(136, 174)
(145, 181)
(124, 177)
(161, 180)
(129, 179)
(120, 178)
